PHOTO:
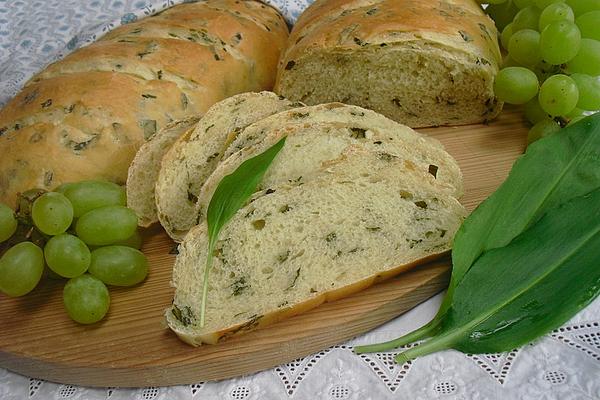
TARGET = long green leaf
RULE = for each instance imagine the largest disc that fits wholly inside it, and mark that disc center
(514, 294)
(552, 171)
(231, 194)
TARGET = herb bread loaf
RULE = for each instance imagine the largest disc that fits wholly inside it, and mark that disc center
(419, 62)
(193, 157)
(360, 219)
(86, 115)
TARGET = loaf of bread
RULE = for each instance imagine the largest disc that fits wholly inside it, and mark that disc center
(193, 157)
(86, 115)
(419, 62)
(351, 198)
(361, 218)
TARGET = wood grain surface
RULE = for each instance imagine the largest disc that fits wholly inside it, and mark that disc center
(132, 347)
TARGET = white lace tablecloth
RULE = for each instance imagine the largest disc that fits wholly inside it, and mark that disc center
(563, 365)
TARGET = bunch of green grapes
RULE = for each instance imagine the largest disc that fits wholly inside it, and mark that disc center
(89, 237)
(553, 61)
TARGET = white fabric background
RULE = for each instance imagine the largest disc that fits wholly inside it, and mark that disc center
(563, 365)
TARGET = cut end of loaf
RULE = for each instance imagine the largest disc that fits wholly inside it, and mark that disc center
(417, 84)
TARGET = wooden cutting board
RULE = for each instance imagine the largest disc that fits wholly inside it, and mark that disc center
(132, 347)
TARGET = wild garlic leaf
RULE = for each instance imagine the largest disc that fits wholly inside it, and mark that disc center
(514, 294)
(231, 194)
(552, 171)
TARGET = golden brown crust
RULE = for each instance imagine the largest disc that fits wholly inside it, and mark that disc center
(85, 116)
(350, 24)
(85, 131)
(299, 308)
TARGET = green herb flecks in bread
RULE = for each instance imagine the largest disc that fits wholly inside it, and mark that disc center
(193, 157)
(293, 246)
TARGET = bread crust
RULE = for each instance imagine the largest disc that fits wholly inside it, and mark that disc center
(322, 24)
(85, 116)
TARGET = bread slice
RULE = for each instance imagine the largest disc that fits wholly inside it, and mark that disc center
(326, 130)
(193, 158)
(143, 171)
(421, 63)
(329, 113)
(361, 220)
(308, 146)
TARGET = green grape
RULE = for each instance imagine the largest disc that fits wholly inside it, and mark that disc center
(505, 36)
(533, 111)
(67, 255)
(587, 60)
(515, 85)
(555, 12)
(589, 91)
(106, 225)
(21, 269)
(52, 213)
(559, 42)
(523, 47)
(581, 7)
(8, 222)
(527, 18)
(89, 195)
(63, 188)
(541, 4)
(558, 95)
(502, 14)
(523, 3)
(134, 241)
(542, 129)
(86, 299)
(588, 24)
(119, 265)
